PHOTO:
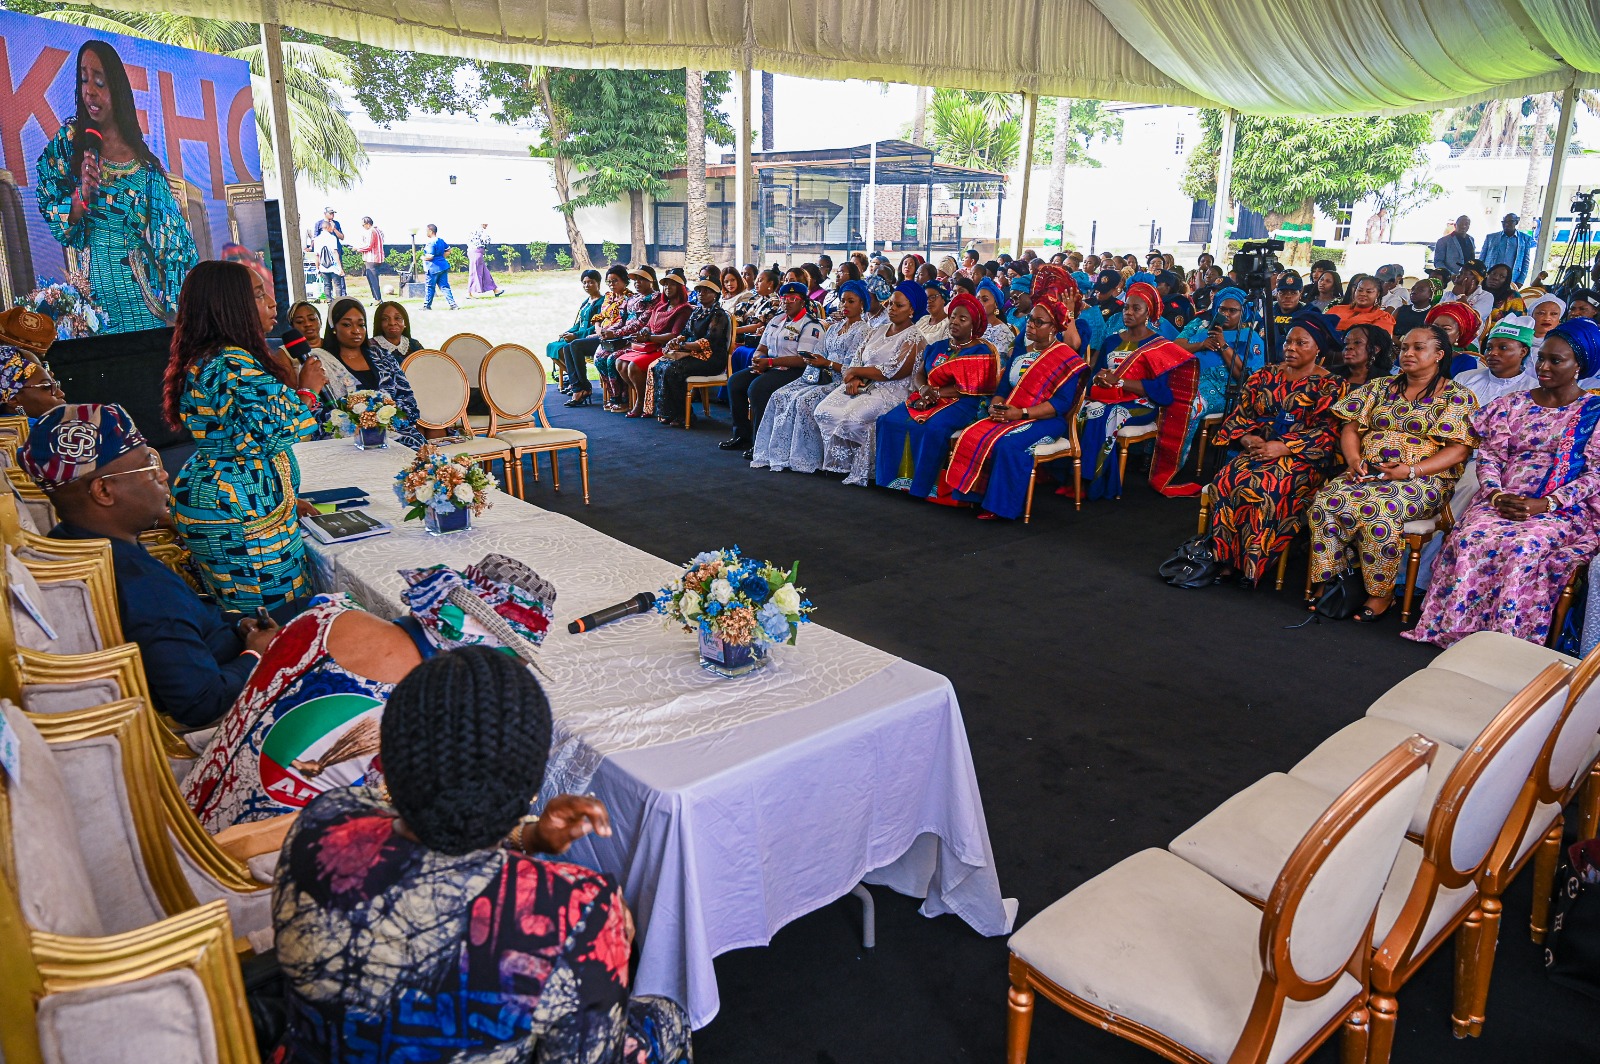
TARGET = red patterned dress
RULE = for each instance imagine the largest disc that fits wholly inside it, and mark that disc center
(1260, 501)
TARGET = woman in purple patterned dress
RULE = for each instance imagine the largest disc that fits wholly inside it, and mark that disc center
(1536, 516)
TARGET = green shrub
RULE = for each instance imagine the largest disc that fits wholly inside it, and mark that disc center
(537, 249)
(509, 257)
(399, 261)
(610, 251)
(563, 259)
(352, 260)
(456, 258)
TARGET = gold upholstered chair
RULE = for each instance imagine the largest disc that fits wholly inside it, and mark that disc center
(1208, 502)
(1060, 450)
(513, 382)
(442, 392)
(1160, 953)
(469, 350)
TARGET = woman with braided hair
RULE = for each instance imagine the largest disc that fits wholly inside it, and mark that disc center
(415, 915)
(993, 458)
(307, 719)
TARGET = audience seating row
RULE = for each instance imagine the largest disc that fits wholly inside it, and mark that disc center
(1302, 905)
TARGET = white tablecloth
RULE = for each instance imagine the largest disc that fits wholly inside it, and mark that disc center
(740, 804)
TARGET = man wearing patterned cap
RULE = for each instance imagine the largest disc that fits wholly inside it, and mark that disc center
(106, 482)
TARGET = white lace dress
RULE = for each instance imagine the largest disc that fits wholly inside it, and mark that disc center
(849, 423)
(787, 437)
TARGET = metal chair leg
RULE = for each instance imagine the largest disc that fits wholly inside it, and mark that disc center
(1413, 563)
(1563, 604)
(1027, 505)
(555, 472)
(1077, 483)
(583, 466)
(1122, 466)
(869, 916)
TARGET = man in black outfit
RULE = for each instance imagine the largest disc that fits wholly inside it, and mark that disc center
(776, 362)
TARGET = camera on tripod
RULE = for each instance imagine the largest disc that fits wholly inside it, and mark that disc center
(1583, 202)
(1255, 263)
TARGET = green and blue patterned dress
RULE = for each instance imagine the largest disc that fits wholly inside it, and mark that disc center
(234, 500)
(136, 242)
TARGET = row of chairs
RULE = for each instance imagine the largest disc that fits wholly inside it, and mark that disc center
(118, 912)
(512, 381)
(1302, 905)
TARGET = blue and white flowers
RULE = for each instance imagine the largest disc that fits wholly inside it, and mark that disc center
(740, 600)
(443, 484)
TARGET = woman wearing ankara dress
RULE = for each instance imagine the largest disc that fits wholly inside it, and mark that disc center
(993, 458)
(1139, 373)
(877, 381)
(1536, 516)
(952, 383)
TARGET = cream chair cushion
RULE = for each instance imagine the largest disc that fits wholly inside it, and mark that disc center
(1425, 526)
(1128, 432)
(53, 881)
(1245, 842)
(439, 384)
(36, 515)
(1341, 758)
(164, 1017)
(1446, 903)
(520, 438)
(67, 697)
(1054, 447)
(67, 605)
(720, 378)
(477, 447)
(1497, 659)
(93, 771)
(1441, 704)
(1158, 941)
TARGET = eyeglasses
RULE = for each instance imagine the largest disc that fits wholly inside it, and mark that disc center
(154, 466)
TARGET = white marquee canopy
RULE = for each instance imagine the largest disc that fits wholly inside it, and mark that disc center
(1254, 56)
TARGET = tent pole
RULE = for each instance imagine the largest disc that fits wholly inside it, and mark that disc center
(927, 220)
(283, 149)
(1030, 112)
(1552, 188)
(1222, 206)
(741, 173)
(871, 207)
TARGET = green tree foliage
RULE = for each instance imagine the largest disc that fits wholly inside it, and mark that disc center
(456, 257)
(1285, 166)
(325, 146)
(984, 129)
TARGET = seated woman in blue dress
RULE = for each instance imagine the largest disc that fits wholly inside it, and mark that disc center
(953, 381)
(993, 458)
(1225, 351)
(1138, 373)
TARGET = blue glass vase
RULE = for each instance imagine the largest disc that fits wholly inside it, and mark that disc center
(438, 524)
(725, 659)
(373, 439)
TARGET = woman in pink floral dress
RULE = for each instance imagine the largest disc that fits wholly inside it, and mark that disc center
(1536, 516)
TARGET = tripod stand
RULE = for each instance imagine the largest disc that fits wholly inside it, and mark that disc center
(1569, 271)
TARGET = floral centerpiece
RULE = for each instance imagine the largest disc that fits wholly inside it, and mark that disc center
(367, 415)
(738, 606)
(68, 304)
(447, 492)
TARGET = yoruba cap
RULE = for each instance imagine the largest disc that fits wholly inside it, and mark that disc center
(27, 329)
(71, 441)
(1518, 327)
(498, 603)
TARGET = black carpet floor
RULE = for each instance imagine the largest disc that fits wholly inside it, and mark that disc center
(1106, 713)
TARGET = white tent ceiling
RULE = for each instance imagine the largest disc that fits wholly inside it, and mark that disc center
(1309, 57)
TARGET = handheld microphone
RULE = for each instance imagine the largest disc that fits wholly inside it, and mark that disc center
(295, 342)
(93, 140)
(643, 602)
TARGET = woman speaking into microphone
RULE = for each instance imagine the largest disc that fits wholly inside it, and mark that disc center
(104, 194)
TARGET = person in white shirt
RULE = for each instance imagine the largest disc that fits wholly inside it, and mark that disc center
(325, 248)
(1546, 310)
(1505, 361)
(1393, 292)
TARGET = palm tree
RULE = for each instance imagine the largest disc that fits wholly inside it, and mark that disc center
(977, 129)
(326, 149)
(1058, 170)
(696, 248)
(766, 110)
(919, 125)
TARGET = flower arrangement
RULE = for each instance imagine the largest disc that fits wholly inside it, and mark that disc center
(365, 409)
(69, 304)
(739, 600)
(442, 484)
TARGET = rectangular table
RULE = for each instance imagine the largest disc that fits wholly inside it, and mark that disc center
(738, 805)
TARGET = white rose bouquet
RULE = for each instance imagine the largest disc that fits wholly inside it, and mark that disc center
(740, 600)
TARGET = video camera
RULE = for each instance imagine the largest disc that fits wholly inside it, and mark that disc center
(1255, 263)
(1583, 202)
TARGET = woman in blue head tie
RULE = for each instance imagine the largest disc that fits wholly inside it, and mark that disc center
(877, 381)
(1227, 351)
(787, 437)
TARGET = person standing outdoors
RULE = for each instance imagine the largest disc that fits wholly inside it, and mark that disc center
(1509, 247)
(328, 223)
(1455, 249)
(370, 244)
(325, 248)
(479, 280)
(437, 252)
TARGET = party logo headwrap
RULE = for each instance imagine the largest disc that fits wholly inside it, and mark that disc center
(1516, 327)
(1583, 336)
(1466, 319)
(499, 603)
(73, 440)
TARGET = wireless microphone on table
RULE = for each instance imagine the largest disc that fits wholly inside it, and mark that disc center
(643, 602)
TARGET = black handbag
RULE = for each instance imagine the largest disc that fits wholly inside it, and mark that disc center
(1572, 945)
(1344, 596)
(1194, 564)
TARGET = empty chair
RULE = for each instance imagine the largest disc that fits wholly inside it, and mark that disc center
(513, 380)
(1432, 891)
(442, 392)
(468, 350)
(167, 988)
(34, 507)
(1157, 952)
